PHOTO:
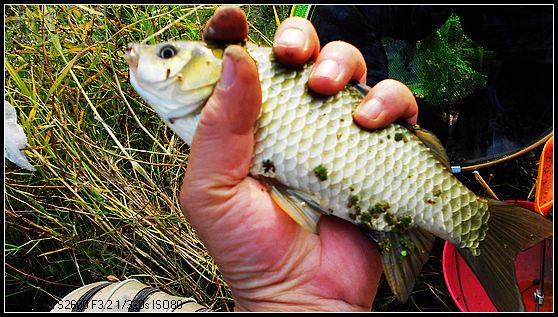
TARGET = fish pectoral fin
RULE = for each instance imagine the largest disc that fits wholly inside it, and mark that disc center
(403, 256)
(302, 207)
(432, 142)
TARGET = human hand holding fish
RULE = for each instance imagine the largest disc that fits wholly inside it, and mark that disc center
(269, 261)
(263, 148)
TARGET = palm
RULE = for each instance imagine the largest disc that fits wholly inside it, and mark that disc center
(262, 248)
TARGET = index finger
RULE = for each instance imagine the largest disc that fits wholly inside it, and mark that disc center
(296, 42)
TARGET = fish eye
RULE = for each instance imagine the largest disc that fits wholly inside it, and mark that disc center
(167, 52)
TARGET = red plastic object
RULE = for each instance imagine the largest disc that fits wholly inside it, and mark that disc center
(544, 197)
(469, 295)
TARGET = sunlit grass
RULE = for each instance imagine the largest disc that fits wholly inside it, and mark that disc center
(104, 198)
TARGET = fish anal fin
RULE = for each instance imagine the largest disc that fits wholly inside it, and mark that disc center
(403, 256)
(302, 207)
(511, 229)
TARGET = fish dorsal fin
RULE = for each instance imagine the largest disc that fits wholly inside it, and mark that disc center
(362, 88)
(432, 142)
(403, 256)
(302, 207)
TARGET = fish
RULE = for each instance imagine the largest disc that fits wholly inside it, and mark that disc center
(394, 183)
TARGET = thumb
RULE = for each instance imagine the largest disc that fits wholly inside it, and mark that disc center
(223, 144)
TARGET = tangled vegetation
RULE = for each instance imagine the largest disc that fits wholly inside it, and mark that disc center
(104, 198)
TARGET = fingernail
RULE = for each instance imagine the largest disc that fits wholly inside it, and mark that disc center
(209, 32)
(229, 71)
(326, 68)
(372, 109)
(291, 38)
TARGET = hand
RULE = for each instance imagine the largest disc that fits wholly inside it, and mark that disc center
(296, 42)
(268, 261)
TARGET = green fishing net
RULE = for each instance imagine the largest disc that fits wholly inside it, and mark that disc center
(442, 68)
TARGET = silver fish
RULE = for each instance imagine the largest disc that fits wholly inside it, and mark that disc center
(395, 183)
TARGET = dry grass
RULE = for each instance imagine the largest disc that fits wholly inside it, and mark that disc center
(103, 200)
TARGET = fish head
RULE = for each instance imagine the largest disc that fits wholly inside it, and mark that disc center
(174, 78)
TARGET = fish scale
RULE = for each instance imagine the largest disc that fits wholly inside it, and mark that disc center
(297, 133)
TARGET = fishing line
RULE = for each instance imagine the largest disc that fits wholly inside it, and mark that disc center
(539, 292)
(459, 279)
(508, 157)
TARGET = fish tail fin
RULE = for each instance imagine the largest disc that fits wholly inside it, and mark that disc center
(511, 229)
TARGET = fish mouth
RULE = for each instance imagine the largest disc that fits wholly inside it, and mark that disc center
(132, 56)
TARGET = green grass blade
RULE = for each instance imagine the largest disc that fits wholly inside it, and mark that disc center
(19, 82)
(300, 11)
(277, 20)
(65, 72)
